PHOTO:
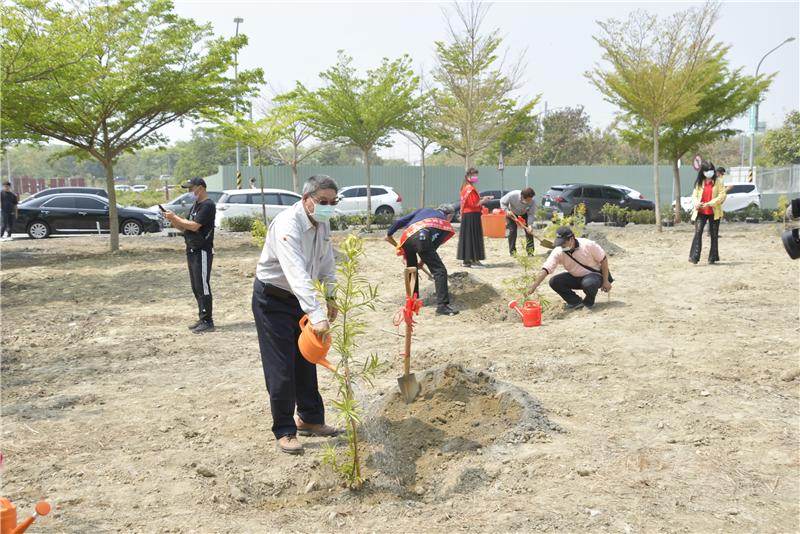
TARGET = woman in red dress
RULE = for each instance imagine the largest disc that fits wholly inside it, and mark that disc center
(470, 237)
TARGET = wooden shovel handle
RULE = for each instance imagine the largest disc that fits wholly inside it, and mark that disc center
(411, 278)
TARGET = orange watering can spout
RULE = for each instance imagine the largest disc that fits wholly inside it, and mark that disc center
(8, 516)
(513, 306)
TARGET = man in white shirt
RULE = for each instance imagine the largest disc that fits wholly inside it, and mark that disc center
(297, 251)
(519, 204)
(586, 264)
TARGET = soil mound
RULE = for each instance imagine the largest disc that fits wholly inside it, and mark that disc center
(601, 239)
(469, 293)
(457, 415)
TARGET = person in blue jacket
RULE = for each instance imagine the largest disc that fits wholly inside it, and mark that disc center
(426, 229)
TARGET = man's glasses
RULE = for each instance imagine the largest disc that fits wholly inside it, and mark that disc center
(326, 202)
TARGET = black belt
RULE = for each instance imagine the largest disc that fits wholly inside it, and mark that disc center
(277, 292)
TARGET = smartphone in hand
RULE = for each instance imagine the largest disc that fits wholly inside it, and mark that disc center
(162, 208)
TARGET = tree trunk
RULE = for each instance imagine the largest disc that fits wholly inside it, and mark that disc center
(369, 191)
(295, 179)
(113, 218)
(422, 183)
(655, 178)
(263, 202)
(676, 180)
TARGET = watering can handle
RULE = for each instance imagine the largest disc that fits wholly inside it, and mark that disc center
(303, 321)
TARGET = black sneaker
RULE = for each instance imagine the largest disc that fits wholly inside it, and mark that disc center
(587, 303)
(195, 325)
(574, 306)
(204, 326)
(446, 310)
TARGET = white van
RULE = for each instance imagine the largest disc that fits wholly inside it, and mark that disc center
(235, 202)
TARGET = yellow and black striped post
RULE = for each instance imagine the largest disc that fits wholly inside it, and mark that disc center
(238, 179)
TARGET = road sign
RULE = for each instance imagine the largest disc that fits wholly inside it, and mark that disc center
(752, 118)
(500, 165)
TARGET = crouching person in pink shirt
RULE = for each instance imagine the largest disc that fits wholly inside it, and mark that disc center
(586, 267)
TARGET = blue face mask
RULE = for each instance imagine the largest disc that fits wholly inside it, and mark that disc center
(323, 213)
(192, 196)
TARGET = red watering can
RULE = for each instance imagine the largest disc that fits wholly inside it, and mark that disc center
(531, 312)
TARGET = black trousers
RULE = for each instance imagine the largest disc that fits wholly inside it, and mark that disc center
(511, 230)
(697, 242)
(564, 283)
(291, 379)
(200, 275)
(434, 262)
(8, 222)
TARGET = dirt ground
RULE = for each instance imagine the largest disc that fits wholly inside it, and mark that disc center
(673, 407)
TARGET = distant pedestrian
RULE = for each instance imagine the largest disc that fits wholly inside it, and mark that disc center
(470, 237)
(8, 203)
(252, 183)
(516, 204)
(586, 264)
(198, 232)
(707, 199)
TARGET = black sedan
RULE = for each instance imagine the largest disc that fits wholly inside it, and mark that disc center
(564, 198)
(72, 213)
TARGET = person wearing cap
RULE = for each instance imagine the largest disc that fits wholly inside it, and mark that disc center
(8, 208)
(198, 232)
(586, 266)
(297, 251)
(519, 204)
(426, 229)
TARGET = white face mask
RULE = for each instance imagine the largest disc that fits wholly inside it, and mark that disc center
(708, 174)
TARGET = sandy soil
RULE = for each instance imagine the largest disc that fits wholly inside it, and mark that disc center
(671, 408)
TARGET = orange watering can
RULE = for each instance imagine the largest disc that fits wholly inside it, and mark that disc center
(311, 347)
(531, 312)
(8, 516)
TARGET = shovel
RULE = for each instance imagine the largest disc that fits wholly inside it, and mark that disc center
(546, 243)
(409, 387)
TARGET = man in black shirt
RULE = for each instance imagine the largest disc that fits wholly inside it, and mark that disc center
(198, 231)
(8, 203)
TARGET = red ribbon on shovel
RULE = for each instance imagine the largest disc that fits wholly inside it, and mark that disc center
(406, 313)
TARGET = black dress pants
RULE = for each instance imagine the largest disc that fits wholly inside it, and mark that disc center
(8, 223)
(564, 283)
(291, 379)
(511, 230)
(200, 275)
(430, 258)
(697, 242)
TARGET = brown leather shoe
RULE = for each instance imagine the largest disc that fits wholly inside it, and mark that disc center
(318, 430)
(290, 444)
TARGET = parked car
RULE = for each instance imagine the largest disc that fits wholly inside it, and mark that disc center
(353, 200)
(122, 187)
(566, 197)
(492, 204)
(59, 190)
(180, 205)
(740, 196)
(633, 193)
(71, 213)
(139, 188)
(236, 202)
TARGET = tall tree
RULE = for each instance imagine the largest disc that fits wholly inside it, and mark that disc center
(659, 69)
(726, 96)
(782, 145)
(473, 101)
(362, 112)
(420, 133)
(147, 68)
(201, 155)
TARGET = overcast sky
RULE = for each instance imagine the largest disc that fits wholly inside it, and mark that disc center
(297, 40)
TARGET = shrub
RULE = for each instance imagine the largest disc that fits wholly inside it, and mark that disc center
(259, 232)
(780, 213)
(615, 215)
(577, 221)
(145, 199)
(517, 286)
(642, 217)
(238, 223)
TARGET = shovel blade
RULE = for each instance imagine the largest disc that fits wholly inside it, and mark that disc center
(546, 243)
(409, 387)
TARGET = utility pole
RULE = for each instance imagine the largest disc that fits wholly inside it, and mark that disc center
(237, 20)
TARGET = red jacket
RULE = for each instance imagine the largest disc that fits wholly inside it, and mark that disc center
(470, 200)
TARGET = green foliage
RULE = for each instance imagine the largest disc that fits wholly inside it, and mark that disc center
(145, 199)
(238, 223)
(782, 145)
(362, 112)
(780, 213)
(353, 295)
(577, 221)
(259, 232)
(473, 103)
(615, 215)
(660, 70)
(517, 286)
(642, 217)
(135, 67)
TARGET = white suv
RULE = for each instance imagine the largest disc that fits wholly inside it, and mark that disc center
(235, 202)
(353, 200)
(740, 196)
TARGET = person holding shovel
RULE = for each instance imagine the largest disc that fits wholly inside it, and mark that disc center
(297, 251)
(425, 231)
(586, 264)
(520, 211)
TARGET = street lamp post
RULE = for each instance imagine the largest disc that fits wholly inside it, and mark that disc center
(754, 122)
(237, 20)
